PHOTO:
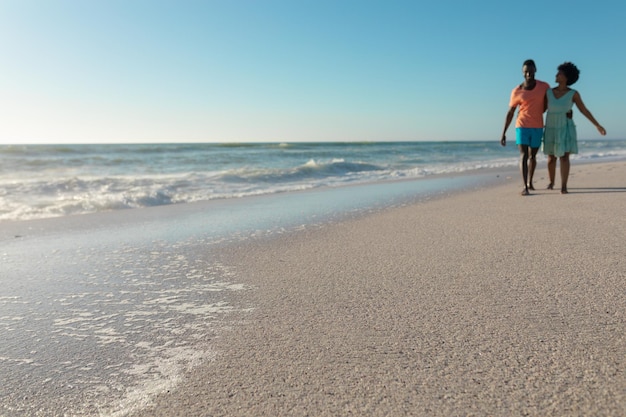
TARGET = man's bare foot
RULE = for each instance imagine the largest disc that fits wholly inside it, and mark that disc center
(550, 186)
(563, 190)
(525, 191)
(530, 186)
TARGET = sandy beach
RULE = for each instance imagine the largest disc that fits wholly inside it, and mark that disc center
(478, 303)
(456, 296)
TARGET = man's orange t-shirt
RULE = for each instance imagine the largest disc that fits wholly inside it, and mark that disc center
(530, 104)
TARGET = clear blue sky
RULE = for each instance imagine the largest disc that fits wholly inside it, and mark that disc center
(298, 70)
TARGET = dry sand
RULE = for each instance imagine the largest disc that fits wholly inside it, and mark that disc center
(480, 303)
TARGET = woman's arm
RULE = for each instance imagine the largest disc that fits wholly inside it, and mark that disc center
(581, 106)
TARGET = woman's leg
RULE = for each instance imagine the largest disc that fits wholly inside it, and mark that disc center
(564, 172)
(551, 170)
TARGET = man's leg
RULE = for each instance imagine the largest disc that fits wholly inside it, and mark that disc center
(523, 165)
(531, 167)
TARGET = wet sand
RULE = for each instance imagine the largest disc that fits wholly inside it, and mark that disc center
(479, 303)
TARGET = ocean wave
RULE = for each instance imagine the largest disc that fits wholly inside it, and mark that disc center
(309, 171)
(39, 198)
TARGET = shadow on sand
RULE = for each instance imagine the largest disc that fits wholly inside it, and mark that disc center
(595, 190)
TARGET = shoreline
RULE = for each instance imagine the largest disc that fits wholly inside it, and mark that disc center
(364, 198)
(481, 177)
(480, 302)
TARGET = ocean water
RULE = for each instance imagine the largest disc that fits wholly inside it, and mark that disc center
(39, 181)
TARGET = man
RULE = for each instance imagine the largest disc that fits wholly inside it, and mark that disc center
(530, 97)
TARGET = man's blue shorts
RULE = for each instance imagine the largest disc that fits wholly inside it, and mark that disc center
(530, 136)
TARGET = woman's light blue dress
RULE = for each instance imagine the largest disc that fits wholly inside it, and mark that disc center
(559, 135)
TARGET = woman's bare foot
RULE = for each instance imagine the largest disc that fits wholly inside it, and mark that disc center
(525, 191)
(550, 186)
(530, 186)
(563, 190)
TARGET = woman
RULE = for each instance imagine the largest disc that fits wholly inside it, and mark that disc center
(559, 138)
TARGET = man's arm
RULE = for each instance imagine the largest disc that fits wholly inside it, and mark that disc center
(507, 123)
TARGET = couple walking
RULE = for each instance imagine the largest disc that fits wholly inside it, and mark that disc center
(559, 136)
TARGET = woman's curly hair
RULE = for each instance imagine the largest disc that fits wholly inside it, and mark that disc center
(570, 71)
